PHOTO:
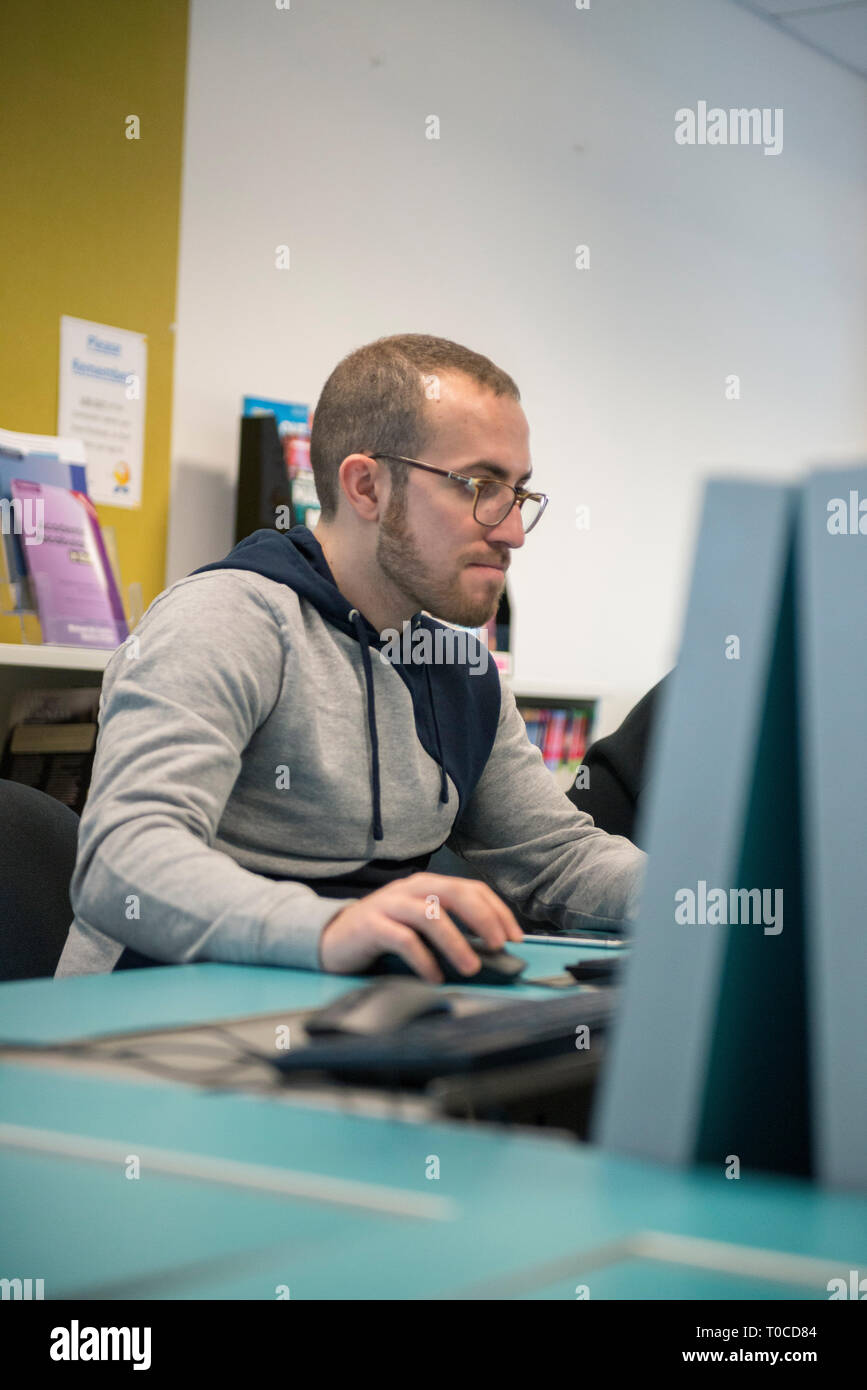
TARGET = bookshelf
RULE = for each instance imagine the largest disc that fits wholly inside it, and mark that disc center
(561, 726)
(53, 657)
(23, 665)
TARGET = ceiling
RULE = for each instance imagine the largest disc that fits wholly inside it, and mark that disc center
(837, 28)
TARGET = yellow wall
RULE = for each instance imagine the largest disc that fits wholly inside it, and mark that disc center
(90, 220)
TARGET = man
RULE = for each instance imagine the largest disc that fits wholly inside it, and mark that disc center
(269, 782)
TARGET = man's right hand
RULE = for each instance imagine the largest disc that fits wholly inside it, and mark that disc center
(399, 917)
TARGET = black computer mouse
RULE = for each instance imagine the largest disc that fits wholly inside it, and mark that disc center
(498, 967)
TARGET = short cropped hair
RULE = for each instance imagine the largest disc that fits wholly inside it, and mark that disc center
(374, 402)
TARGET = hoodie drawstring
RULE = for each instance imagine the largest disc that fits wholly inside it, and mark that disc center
(361, 634)
(364, 644)
(444, 786)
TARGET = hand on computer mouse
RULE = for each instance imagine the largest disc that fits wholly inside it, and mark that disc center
(398, 918)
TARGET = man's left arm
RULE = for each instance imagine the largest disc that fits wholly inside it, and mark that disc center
(535, 848)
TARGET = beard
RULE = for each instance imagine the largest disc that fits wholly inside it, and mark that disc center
(398, 557)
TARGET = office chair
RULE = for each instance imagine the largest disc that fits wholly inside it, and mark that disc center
(38, 843)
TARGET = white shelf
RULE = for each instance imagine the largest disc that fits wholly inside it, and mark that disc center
(523, 690)
(50, 657)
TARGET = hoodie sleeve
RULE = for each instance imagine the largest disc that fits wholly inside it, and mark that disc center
(181, 700)
(536, 849)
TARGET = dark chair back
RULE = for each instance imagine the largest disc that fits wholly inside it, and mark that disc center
(38, 843)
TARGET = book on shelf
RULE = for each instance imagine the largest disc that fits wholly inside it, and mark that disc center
(71, 577)
(552, 749)
(560, 729)
(40, 458)
(51, 742)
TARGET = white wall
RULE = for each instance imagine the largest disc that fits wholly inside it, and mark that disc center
(307, 126)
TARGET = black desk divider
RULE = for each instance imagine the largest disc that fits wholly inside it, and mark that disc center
(740, 1031)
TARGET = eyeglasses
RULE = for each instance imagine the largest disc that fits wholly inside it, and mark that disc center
(493, 501)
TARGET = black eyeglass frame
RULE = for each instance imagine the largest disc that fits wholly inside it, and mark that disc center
(476, 484)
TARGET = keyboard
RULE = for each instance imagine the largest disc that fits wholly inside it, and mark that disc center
(493, 1037)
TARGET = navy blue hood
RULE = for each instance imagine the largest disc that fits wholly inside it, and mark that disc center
(461, 739)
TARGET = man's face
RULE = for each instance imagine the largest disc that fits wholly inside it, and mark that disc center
(429, 545)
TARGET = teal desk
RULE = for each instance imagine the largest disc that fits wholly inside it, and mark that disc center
(89, 1005)
(240, 1195)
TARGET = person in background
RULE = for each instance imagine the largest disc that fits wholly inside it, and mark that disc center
(617, 770)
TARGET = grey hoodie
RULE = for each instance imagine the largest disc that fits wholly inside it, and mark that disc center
(264, 755)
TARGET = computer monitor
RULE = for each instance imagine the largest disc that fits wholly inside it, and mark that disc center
(735, 1017)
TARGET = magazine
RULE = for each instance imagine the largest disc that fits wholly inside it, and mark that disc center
(71, 577)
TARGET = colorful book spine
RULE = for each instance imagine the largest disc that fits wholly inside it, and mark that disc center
(540, 728)
(72, 580)
(552, 750)
(560, 734)
(578, 739)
